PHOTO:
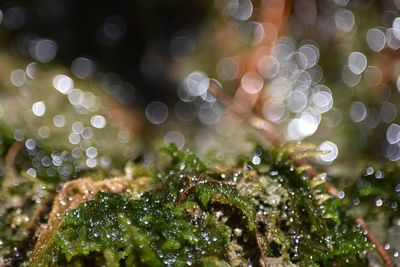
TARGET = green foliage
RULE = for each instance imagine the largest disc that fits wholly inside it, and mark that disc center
(216, 192)
(377, 192)
(265, 212)
(23, 203)
(318, 230)
(374, 195)
(141, 232)
(184, 162)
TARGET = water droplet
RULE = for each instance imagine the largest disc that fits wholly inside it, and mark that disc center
(393, 134)
(31, 172)
(74, 138)
(268, 66)
(357, 62)
(378, 202)
(43, 50)
(98, 121)
(157, 112)
(331, 152)
(18, 78)
(240, 9)
(388, 112)
(358, 111)
(39, 108)
(252, 83)
(197, 83)
(63, 83)
(344, 20)
(91, 152)
(59, 120)
(82, 67)
(228, 69)
(376, 39)
(91, 162)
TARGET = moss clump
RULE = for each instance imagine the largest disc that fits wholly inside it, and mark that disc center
(263, 212)
(142, 232)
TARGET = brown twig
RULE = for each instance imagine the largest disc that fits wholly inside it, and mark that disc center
(10, 157)
(257, 122)
(378, 246)
(275, 13)
(273, 137)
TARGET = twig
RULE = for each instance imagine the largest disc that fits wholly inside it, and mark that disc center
(10, 157)
(378, 246)
(273, 137)
(257, 122)
(275, 13)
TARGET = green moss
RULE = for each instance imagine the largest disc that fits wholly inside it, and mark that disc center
(375, 196)
(23, 203)
(255, 213)
(217, 192)
(316, 232)
(143, 232)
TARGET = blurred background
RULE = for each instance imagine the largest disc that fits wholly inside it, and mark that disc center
(86, 86)
(322, 71)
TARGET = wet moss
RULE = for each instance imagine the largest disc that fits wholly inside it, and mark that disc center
(141, 232)
(375, 196)
(258, 213)
(23, 205)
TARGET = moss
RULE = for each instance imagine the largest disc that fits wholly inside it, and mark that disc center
(254, 214)
(142, 232)
(318, 232)
(23, 204)
(375, 195)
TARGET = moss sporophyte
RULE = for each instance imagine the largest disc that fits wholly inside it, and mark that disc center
(186, 213)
